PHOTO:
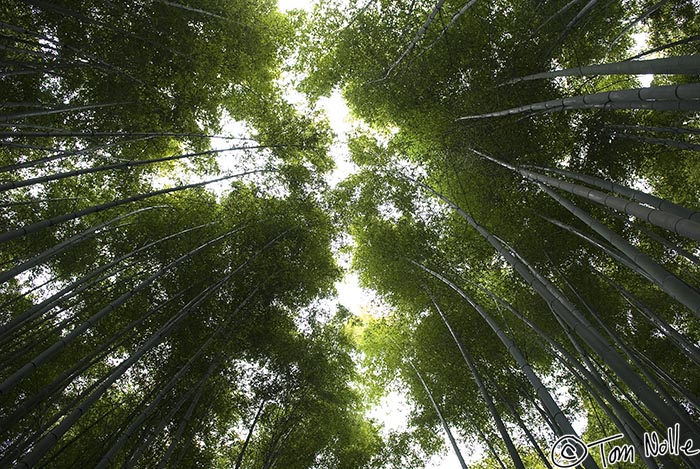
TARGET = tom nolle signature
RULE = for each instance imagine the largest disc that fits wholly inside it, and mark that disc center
(570, 450)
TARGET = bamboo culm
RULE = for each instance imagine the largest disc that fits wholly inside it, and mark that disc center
(249, 435)
(62, 381)
(34, 227)
(689, 65)
(528, 434)
(64, 245)
(43, 446)
(681, 342)
(659, 141)
(661, 98)
(682, 415)
(445, 426)
(589, 378)
(574, 21)
(117, 166)
(609, 250)
(188, 415)
(568, 312)
(135, 455)
(416, 39)
(28, 368)
(124, 436)
(75, 287)
(646, 14)
(117, 445)
(540, 389)
(64, 154)
(627, 377)
(502, 430)
(669, 221)
(633, 194)
(668, 282)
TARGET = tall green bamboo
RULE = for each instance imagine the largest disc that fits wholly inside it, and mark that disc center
(502, 430)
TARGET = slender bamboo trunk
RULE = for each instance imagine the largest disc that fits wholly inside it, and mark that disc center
(34, 227)
(604, 371)
(486, 440)
(64, 154)
(88, 134)
(588, 377)
(679, 42)
(659, 141)
(679, 341)
(668, 282)
(558, 13)
(79, 436)
(47, 423)
(43, 446)
(646, 14)
(680, 413)
(46, 330)
(574, 21)
(633, 194)
(416, 39)
(188, 415)
(38, 201)
(132, 459)
(546, 416)
(31, 290)
(39, 309)
(540, 389)
(46, 6)
(128, 164)
(648, 128)
(669, 221)
(48, 41)
(502, 430)
(678, 250)
(64, 307)
(689, 64)
(104, 462)
(570, 314)
(68, 243)
(445, 426)
(660, 98)
(47, 112)
(690, 397)
(282, 425)
(189, 8)
(611, 251)
(249, 435)
(65, 379)
(584, 354)
(528, 434)
(453, 20)
(43, 357)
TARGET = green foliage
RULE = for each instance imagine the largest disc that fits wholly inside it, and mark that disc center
(199, 332)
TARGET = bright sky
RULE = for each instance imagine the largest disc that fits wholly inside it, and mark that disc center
(394, 409)
(285, 5)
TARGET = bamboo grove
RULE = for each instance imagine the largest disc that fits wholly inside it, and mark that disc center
(524, 208)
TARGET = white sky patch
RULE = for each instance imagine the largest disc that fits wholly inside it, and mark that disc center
(448, 459)
(392, 411)
(351, 295)
(340, 120)
(229, 162)
(641, 41)
(286, 5)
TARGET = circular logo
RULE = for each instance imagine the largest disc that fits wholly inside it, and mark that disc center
(568, 451)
